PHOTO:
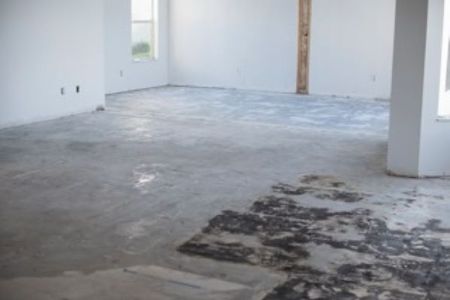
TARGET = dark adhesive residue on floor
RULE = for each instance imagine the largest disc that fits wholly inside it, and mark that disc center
(280, 233)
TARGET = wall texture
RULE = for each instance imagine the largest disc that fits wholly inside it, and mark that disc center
(352, 47)
(252, 44)
(246, 44)
(47, 45)
(121, 73)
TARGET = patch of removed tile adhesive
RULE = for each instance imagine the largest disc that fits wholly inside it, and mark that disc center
(292, 229)
(139, 283)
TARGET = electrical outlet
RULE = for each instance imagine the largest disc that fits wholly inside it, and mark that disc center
(77, 89)
(121, 73)
(63, 91)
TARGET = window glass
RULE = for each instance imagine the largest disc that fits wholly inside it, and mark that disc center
(143, 30)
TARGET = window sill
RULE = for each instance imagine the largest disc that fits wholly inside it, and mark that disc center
(443, 119)
(139, 61)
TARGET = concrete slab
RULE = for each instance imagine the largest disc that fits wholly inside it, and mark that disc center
(125, 187)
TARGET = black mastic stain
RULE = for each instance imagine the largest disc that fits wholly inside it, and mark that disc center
(276, 233)
(324, 194)
(323, 181)
(433, 225)
(290, 190)
(310, 284)
(349, 197)
(236, 252)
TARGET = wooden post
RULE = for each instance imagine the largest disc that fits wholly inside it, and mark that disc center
(304, 32)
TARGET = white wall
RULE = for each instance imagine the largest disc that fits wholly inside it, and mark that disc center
(407, 89)
(419, 142)
(352, 47)
(136, 75)
(46, 45)
(444, 104)
(246, 44)
(434, 159)
(252, 44)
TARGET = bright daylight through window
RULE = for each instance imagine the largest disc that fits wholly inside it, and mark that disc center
(144, 29)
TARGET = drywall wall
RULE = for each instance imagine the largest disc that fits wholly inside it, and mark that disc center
(444, 104)
(252, 44)
(47, 45)
(246, 44)
(407, 87)
(352, 47)
(121, 72)
(419, 140)
(434, 158)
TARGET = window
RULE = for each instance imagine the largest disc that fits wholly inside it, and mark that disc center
(447, 86)
(144, 29)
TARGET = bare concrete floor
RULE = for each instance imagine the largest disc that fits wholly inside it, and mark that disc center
(94, 206)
